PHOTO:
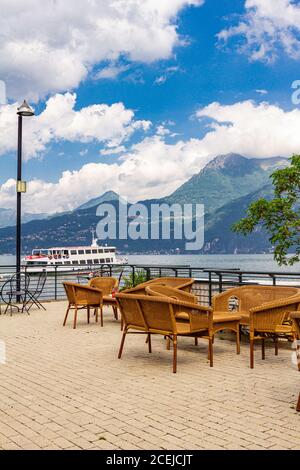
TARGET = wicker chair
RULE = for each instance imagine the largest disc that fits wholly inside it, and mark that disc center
(295, 316)
(222, 321)
(157, 315)
(83, 297)
(181, 283)
(108, 286)
(263, 309)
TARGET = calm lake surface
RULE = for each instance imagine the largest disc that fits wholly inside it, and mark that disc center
(243, 262)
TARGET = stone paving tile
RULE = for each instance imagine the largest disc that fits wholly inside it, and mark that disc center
(65, 389)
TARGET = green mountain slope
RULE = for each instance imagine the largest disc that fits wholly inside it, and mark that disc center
(224, 179)
(219, 237)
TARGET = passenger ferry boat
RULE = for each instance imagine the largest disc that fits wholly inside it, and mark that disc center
(72, 258)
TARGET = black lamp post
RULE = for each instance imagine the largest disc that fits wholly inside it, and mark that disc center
(23, 111)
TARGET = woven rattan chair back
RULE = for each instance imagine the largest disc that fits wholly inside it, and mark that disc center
(130, 310)
(252, 296)
(70, 292)
(158, 313)
(105, 284)
(79, 294)
(180, 283)
(171, 292)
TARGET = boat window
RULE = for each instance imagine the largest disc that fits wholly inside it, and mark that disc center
(89, 261)
(81, 252)
(94, 251)
(107, 260)
(68, 262)
(107, 250)
(74, 262)
(113, 250)
(96, 261)
(66, 252)
(87, 252)
(82, 261)
(102, 261)
(73, 252)
(100, 251)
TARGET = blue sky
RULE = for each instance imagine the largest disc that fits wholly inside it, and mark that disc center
(168, 91)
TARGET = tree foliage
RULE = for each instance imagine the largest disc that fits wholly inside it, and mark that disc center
(280, 216)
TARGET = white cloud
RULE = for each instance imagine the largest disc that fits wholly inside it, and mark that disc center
(160, 80)
(153, 168)
(51, 45)
(113, 151)
(110, 72)
(254, 130)
(262, 92)
(110, 125)
(268, 27)
(168, 72)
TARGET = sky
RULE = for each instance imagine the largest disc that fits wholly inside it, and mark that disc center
(136, 96)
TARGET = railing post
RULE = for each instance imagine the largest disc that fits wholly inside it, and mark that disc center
(55, 283)
(220, 283)
(240, 279)
(133, 274)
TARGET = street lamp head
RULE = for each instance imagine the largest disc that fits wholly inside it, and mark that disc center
(25, 110)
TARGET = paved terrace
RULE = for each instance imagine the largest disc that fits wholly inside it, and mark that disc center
(65, 389)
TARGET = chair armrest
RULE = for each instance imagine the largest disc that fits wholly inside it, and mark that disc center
(277, 303)
(271, 314)
(201, 317)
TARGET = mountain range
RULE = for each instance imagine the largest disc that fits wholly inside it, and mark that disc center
(226, 186)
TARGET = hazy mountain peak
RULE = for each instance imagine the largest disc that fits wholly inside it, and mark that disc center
(106, 197)
(227, 161)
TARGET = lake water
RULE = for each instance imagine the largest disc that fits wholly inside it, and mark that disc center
(244, 262)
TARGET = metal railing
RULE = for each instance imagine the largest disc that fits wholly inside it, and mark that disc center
(208, 281)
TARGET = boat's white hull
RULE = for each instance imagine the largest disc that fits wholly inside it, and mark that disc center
(73, 269)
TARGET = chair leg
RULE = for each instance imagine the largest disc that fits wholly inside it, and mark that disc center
(122, 343)
(263, 351)
(66, 316)
(115, 310)
(75, 319)
(174, 354)
(88, 314)
(238, 341)
(298, 404)
(122, 323)
(210, 351)
(276, 345)
(251, 353)
(149, 343)
(168, 343)
(101, 316)
(196, 341)
(96, 315)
